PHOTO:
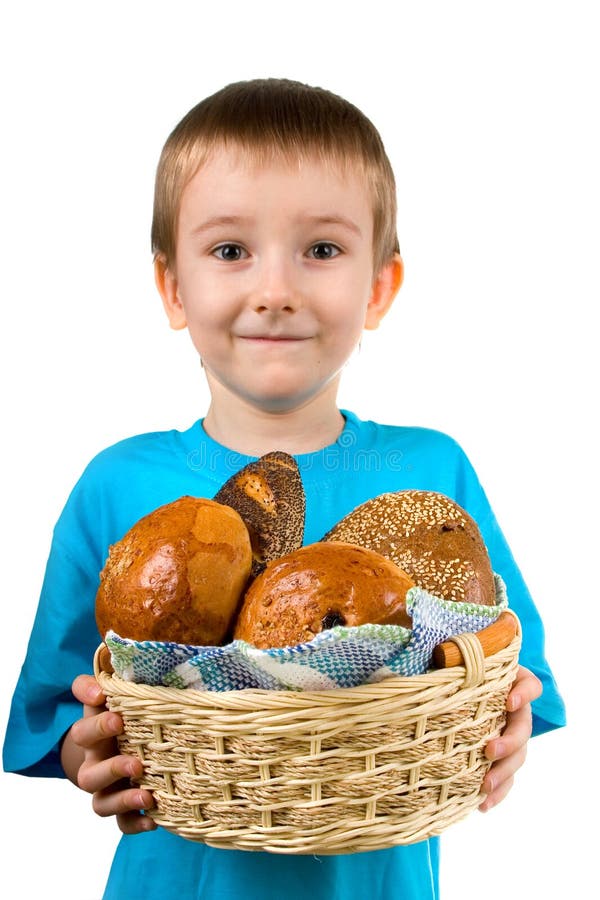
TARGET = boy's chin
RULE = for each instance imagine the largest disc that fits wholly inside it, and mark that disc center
(279, 405)
(272, 396)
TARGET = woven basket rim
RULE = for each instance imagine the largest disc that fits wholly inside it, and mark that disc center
(261, 697)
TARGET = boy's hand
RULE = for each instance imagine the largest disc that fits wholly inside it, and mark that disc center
(510, 749)
(104, 772)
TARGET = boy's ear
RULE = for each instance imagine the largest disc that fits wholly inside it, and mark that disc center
(166, 282)
(385, 287)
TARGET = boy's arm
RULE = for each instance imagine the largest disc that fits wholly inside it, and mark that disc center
(548, 708)
(90, 759)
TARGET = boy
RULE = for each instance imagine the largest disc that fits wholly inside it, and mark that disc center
(275, 245)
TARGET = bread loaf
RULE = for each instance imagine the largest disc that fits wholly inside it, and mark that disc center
(430, 537)
(177, 575)
(269, 496)
(317, 587)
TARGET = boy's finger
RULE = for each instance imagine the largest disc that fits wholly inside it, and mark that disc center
(101, 775)
(503, 770)
(526, 688)
(93, 729)
(121, 802)
(86, 689)
(494, 798)
(134, 823)
(515, 735)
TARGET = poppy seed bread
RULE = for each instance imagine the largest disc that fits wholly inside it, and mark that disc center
(269, 496)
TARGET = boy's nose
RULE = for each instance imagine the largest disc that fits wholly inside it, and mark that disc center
(275, 288)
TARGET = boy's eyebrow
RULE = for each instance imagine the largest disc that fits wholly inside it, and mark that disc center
(334, 220)
(219, 221)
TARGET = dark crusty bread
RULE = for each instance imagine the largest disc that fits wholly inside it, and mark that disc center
(430, 537)
(317, 587)
(177, 575)
(269, 496)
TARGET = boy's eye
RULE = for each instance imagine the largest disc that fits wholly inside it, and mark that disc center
(324, 250)
(230, 252)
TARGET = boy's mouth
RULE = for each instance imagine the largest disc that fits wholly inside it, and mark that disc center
(275, 337)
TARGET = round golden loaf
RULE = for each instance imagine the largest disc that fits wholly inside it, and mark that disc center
(177, 575)
(320, 586)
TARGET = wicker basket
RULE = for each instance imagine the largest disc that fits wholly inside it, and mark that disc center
(335, 771)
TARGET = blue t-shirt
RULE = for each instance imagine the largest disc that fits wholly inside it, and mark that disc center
(129, 480)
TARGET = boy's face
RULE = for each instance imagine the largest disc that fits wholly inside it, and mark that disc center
(273, 276)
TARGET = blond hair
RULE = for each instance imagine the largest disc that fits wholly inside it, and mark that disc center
(274, 118)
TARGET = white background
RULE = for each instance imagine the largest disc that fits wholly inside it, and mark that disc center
(489, 114)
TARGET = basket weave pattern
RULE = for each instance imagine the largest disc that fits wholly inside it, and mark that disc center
(334, 771)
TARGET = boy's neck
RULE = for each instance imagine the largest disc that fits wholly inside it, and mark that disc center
(244, 429)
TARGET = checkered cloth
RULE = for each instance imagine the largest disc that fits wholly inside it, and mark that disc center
(339, 657)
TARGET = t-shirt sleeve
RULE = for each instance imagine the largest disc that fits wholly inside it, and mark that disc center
(61, 646)
(548, 709)
(118, 486)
